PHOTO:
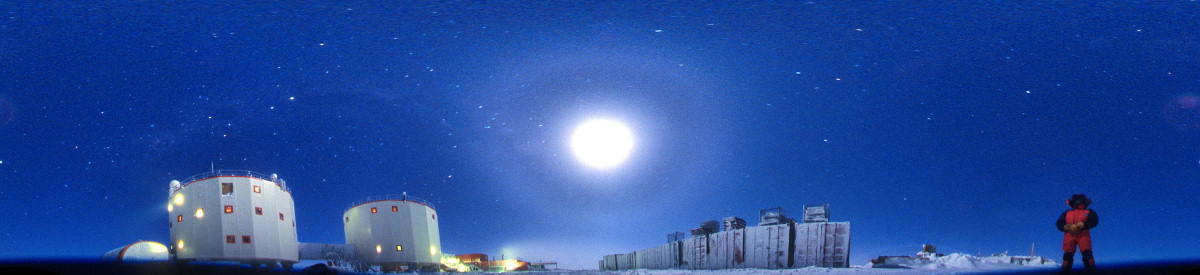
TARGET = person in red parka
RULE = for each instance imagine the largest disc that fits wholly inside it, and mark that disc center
(1076, 224)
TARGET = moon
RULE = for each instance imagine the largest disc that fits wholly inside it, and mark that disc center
(602, 143)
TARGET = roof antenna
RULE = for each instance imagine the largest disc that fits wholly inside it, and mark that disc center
(212, 166)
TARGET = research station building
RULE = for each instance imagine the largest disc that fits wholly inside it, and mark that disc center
(394, 232)
(236, 216)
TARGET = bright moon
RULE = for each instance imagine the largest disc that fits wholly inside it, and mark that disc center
(602, 143)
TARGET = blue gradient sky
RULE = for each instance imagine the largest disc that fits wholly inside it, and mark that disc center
(964, 125)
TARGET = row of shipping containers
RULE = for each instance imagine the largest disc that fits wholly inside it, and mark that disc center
(790, 245)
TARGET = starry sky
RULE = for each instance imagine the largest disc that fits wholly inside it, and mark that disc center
(965, 126)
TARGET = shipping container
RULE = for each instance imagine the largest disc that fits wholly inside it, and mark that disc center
(665, 256)
(627, 261)
(787, 245)
(695, 252)
(610, 262)
(768, 246)
(824, 244)
(726, 249)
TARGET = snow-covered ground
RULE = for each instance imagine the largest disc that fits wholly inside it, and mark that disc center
(806, 270)
(955, 263)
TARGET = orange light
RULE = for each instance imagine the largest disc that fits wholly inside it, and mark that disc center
(199, 213)
(399, 248)
(378, 249)
(257, 189)
(374, 210)
(229, 209)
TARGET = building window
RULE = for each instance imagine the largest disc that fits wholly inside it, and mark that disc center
(378, 249)
(374, 210)
(258, 210)
(226, 189)
(399, 248)
(347, 219)
(257, 189)
(281, 216)
(199, 213)
(433, 215)
(230, 239)
(245, 238)
(228, 209)
(395, 208)
(179, 218)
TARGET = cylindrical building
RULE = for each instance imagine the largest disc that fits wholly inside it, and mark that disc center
(394, 232)
(237, 216)
(142, 251)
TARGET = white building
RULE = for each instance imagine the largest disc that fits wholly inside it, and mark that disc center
(142, 251)
(394, 232)
(238, 216)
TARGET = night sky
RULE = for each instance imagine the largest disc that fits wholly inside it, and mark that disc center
(962, 125)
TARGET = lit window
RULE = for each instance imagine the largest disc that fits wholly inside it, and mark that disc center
(374, 210)
(378, 249)
(199, 213)
(226, 189)
(399, 248)
(258, 210)
(257, 189)
(245, 238)
(395, 208)
(178, 199)
(230, 239)
(170, 207)
(179, 245)
(228, 209)
(179, 218)
(281, 216)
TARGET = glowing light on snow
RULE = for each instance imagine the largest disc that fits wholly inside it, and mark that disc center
(510, 265)
(602, 143)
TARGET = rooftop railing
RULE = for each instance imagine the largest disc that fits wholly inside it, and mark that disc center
(401, 197)
(235, 173)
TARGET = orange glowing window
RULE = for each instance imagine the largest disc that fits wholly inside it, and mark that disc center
(258, 210)
(245, 238)
(281, 216)
(230, 239)
(395, 208)
(374, 210)
(179, 218)
(228, 209)
(399, 248)
(257, 189)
